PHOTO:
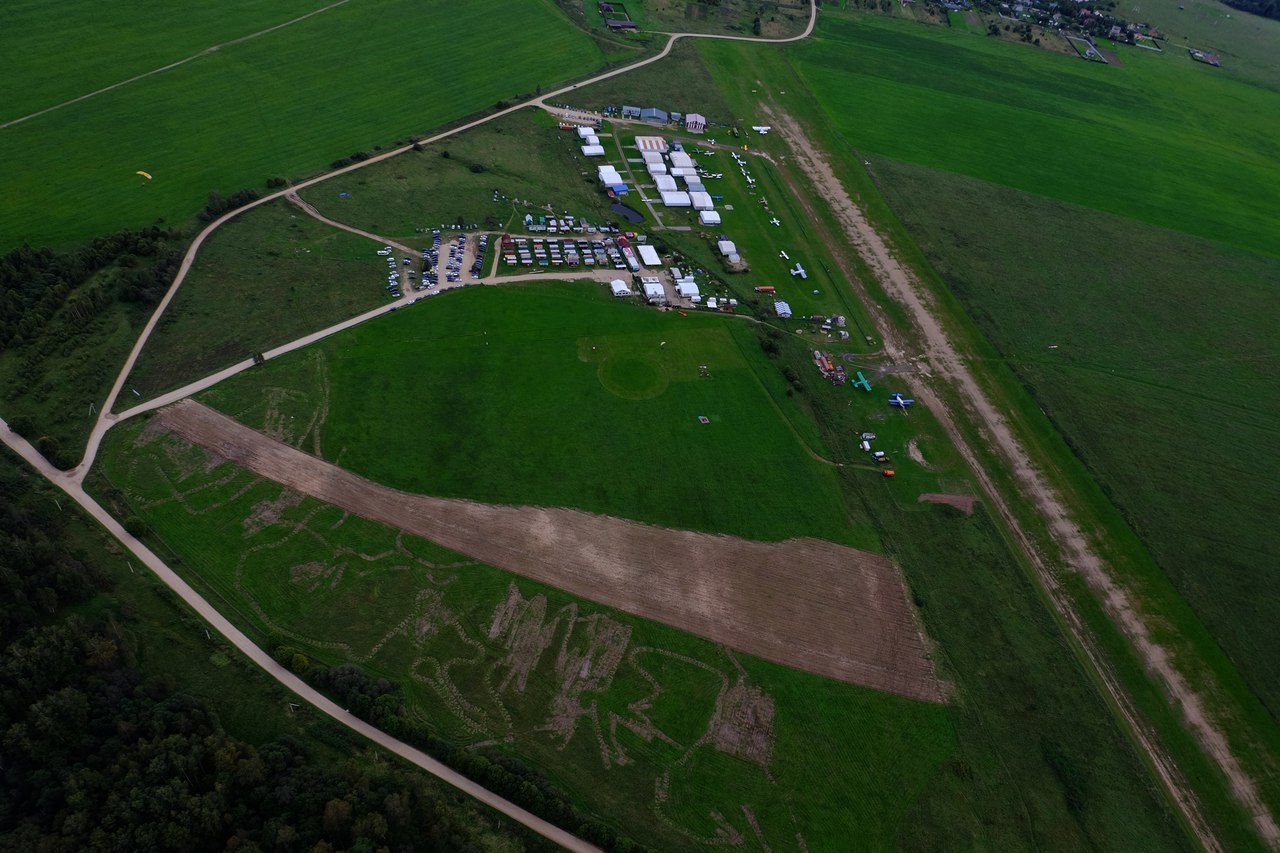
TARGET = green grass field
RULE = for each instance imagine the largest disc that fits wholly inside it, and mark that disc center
(268, 277)
(496, 394)
(286, 104)
(1159, 375)
(1154, 141)
(523, 155)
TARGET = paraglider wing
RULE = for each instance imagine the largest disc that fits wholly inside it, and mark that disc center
(146, 175)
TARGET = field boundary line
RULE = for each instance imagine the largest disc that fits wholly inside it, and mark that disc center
(172, 65)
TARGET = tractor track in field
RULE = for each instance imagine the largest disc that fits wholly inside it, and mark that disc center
(1077, 553)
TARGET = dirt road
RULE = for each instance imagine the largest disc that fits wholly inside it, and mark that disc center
(804, 603)
(1077, 552)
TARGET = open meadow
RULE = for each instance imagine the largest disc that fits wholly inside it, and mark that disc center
(1155, 141)
(269, 276)
(461, 384)
(356, 77)
(1157, 370)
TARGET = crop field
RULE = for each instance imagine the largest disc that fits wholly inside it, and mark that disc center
(523, 157)
(271, 275)
(1023, 732)
(1157, 370)
(285, 104)
(1153, 141)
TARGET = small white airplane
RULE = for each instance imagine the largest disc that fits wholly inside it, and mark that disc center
(783, 254)
(761, 129)
(775, 221)
(751, 181)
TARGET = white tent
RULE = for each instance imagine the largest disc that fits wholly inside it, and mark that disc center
(676, 199)
(708, 217)
(656, 169)
(591, 140)
(593, 151)
(727, 248)
(701, 201)
(682, 173)
(609, 175)
(681, 160)
(654, 292)
(619, 287)
(665, 183)
(584, 132)
(783, 309)
(651, 156)
(686, 288)
(649, 256)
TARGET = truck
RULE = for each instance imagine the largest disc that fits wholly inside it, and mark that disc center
(767, 289)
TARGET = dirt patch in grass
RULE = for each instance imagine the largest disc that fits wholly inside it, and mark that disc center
(964, 503)
(805, 603)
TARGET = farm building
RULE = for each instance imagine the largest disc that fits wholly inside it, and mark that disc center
(676, 199)
(700, 201)
(649, 256)
(593, 151)
(619, 287)
(630, 112)
(651, 143)
(653, 115)
(664, 183)
(653, 291)
(695, 123)
(708, 217)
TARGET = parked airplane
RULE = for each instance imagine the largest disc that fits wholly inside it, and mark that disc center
(865, 384)
(761, 129)
(783, 254)
(896, 399)
(775, 221)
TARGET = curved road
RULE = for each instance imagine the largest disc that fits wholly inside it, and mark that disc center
(71, 481)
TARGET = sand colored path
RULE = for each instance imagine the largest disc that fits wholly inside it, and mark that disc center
(804, 603)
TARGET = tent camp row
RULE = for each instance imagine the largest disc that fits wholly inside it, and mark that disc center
(609, 176)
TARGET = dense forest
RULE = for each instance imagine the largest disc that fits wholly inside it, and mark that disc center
(95, 754)
(1265, 8)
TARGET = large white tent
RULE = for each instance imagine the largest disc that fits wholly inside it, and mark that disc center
(593, 151)
(701, 201)
(649, 256)
(676, 199)
(708, 217)
(665, 183)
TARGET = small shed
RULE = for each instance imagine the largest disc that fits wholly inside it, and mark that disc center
(620, 287)
(708, 217)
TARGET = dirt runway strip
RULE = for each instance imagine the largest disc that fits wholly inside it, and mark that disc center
(805, 603)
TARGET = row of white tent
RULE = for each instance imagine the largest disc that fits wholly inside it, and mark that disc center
(591, 146)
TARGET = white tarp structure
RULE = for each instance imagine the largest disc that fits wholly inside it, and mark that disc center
(681, 160)
(593, 151)
(584, 132)
(591, 140)
(687, 289)
(708, 217)
(682, 173)
(651, 156)
(608, 175)
(653, 291)
(649, 256)
(619, 287)
(651, 143)
(676, 199)
(783, 309)
(664, 183)
(701, 201)
(727, 248)
(656, 169)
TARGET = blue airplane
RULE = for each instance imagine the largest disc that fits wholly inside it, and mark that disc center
(901, 402)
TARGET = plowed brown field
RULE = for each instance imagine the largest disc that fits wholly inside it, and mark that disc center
(805, 603)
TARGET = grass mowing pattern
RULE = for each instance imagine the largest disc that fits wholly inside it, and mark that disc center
(1159, 378)
(267, 277)
(838, 756)
(285, 104)
(1151, 141)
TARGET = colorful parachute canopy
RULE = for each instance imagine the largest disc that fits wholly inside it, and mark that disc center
(146, 175)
